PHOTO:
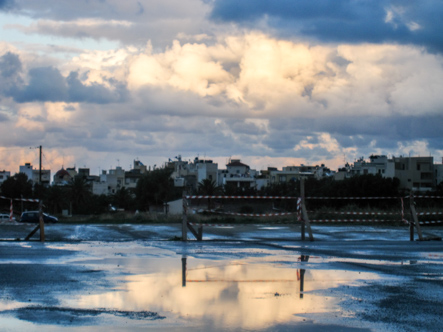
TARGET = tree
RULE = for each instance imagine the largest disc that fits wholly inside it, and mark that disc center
(56, 199)
(123, 198)
(17, 186)
(154, 188)
(209, 187)
(79, 192)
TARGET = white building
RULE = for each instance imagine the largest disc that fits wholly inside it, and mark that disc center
(237, 174)
(34, 174)
(377, 164)
(293, 173)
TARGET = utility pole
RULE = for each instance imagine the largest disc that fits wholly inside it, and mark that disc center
(40, 166)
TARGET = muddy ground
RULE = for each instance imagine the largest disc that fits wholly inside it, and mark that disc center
(243, 278)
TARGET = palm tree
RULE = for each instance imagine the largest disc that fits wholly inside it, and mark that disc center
(123, 198)
(210, 188)
(55, 199)
(79, 191)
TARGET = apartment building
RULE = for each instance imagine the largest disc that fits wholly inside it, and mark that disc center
(34, 174)
(415, 173)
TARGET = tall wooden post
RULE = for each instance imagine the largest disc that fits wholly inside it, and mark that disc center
(185, 219)
(414, 220)
(40, 166)
(184, 271)
(305, 219)
(41, 221)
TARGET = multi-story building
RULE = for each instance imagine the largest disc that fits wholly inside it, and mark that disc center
(293, 173)
(190, 174)
(35, 175)
(237, 174)
(415, 173)
(438, 169)
(377, 164)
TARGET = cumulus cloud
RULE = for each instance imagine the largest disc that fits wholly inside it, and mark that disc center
(323, 83)
(272, 77)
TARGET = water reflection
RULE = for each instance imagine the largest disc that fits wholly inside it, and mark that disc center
(248, 294)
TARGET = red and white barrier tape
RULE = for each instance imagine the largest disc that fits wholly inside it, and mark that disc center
(239, 197)
(349, 220)
(430, 222)
(252, 214)
(426, 196)
(232, 225)
(358, 213)
(429, 213)
(22, 199)
(353, 197)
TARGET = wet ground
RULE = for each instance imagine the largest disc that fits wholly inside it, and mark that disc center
(244, 278)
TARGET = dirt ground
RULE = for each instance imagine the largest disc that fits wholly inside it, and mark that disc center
(243, 278)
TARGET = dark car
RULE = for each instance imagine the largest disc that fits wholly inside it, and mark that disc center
(34, 217)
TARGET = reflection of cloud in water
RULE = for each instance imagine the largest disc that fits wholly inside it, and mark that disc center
(231, 295)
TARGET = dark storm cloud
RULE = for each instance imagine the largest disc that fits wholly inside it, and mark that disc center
(10, 65)
(48, 84)
(6, 4)
(10, 70)
(351, 21)
(357, 132)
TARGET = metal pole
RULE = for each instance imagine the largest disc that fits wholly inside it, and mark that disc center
(40, 167)
(185, 219)
(42, 222)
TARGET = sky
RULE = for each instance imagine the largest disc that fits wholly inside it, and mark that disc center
(101, 83)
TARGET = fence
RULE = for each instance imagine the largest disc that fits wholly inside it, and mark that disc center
(40, 226)
(303, 214)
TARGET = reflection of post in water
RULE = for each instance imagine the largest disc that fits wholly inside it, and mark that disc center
(303, 258)
(184, 271)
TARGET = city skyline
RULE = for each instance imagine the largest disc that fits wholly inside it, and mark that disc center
(102, 83)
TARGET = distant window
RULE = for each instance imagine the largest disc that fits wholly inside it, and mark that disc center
(418, 167)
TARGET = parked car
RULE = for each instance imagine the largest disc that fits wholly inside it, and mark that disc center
(5, 217)
(34, 217)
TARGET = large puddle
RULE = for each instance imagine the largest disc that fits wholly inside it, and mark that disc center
(247, 294)
(208, 288)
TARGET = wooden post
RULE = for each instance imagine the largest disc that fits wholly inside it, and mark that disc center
(305, 219)
(41, 221)
(184, 271)
(302, 275)
(185, 219)
(414, 221)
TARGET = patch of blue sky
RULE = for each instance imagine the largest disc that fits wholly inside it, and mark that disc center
(11, 34)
